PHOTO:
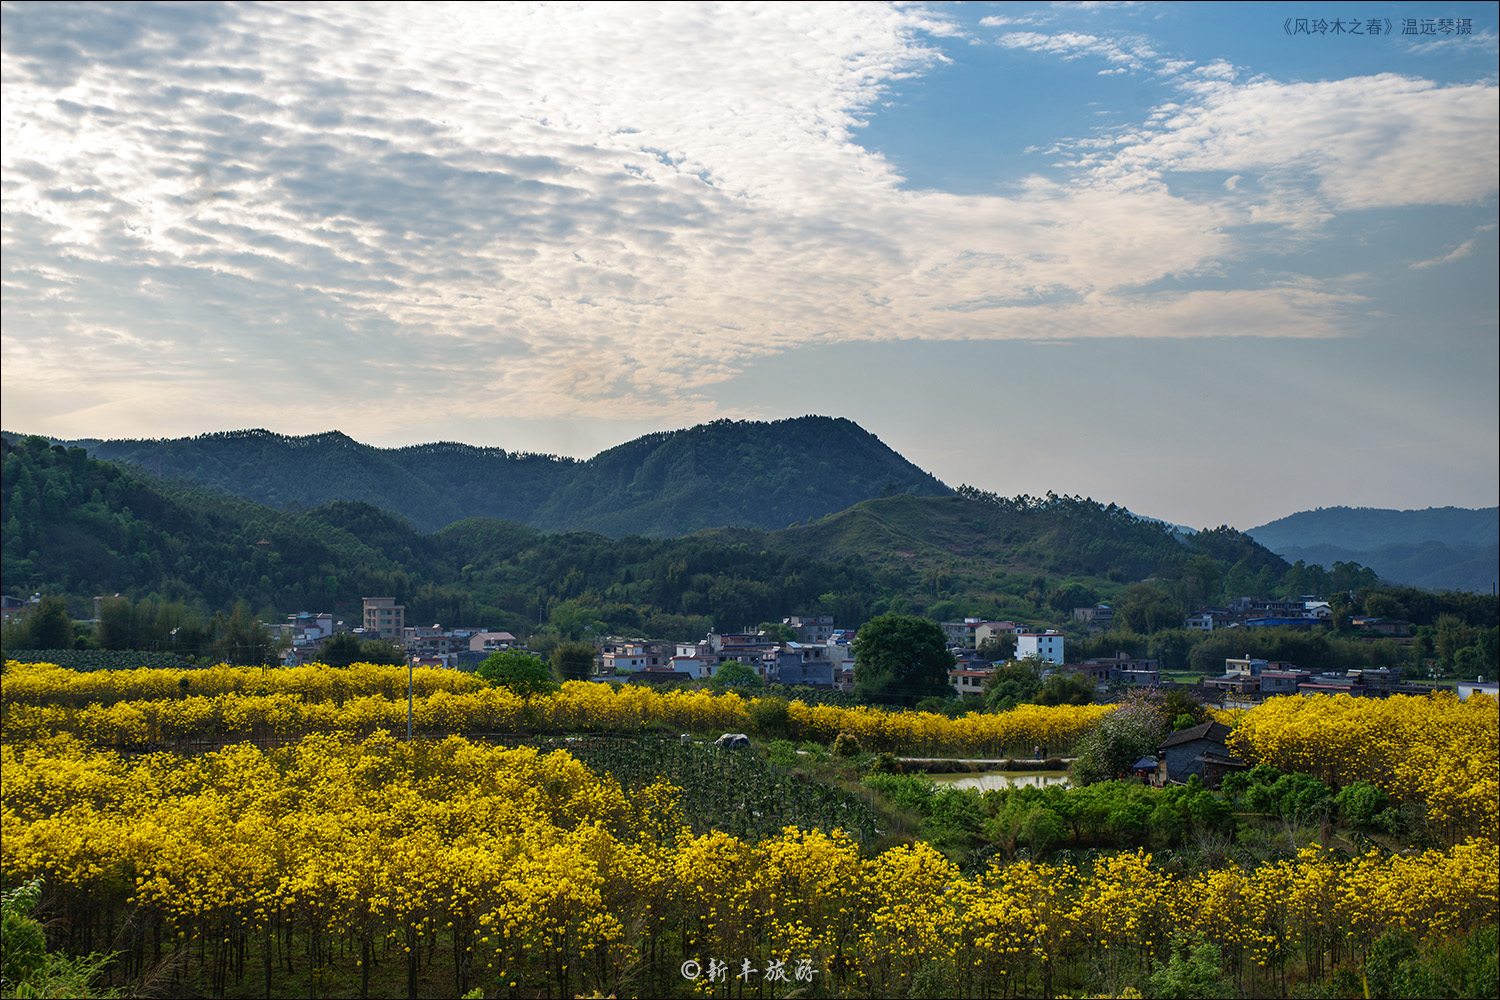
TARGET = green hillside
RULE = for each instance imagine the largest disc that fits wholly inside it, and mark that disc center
(80, 527)
(743, 474)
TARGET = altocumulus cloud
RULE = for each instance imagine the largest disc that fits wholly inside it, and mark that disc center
(548, 210)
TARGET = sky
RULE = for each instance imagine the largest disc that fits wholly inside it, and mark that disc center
(1215, 263)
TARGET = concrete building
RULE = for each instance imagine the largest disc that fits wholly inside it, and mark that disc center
(385, 617)
(1046, 645)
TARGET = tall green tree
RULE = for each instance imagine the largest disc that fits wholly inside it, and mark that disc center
(779, 631)
(901, 659)
(381, 651)
(1011, 684)
(573, 661)
(340, 650)
(49, 625)
(735, 675)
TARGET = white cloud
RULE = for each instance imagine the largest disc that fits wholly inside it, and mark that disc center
(547, 210)
(1457, 253)
(1365, 142)
(1132, 52)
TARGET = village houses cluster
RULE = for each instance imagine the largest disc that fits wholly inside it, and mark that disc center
(820, 654)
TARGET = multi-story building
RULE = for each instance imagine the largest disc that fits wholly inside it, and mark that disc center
(384, 616)
(811, 628)
(1046, 645)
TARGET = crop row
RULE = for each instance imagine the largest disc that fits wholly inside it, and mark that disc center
(144, 708)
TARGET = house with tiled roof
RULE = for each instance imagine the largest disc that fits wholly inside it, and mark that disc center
(1201, 750)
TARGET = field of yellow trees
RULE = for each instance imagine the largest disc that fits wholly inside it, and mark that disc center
(340, 860)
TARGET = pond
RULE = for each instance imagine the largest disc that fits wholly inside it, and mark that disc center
(996, 780)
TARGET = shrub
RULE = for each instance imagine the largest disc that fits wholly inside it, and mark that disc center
(770, 717)
(846, 745)
(1361, 802)
(23, 946)
(781, 753)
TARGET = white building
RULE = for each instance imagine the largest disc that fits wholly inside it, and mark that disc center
(1046, 645)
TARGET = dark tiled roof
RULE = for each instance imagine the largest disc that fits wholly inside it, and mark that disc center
(1215, 732)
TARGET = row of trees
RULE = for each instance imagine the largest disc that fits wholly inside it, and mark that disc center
(174, 628)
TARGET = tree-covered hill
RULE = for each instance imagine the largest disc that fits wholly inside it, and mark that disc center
(753, 475)
(85, 527)
(80, 527)
(743, 474)
(1056, 535)
(431, 485)
(1373, 527)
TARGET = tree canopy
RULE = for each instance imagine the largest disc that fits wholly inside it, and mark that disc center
(50, 626)
(736, 675)
(525, 675)
(901, 658)
(573, 661)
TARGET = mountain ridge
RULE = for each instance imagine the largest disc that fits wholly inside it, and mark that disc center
(664, 484)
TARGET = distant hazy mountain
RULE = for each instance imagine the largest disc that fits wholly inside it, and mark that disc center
(1440, 548)
(736, 474)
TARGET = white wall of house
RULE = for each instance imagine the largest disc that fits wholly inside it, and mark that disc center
(1045, 645)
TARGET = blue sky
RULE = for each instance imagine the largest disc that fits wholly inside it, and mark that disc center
(1166, 255)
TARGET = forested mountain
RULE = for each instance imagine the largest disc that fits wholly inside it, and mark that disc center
(1055, 535)
(740, 474)
(1440, 548)
(85, 527)
(78, 526)
(754, 475)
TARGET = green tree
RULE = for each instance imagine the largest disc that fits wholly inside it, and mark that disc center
(1452, 635)
(899, 658)
(735, 675)
(1011, 684)
(1072, 595)
(573, 661)
(525, 675)
(381, 651)
(49, 625)
(1172, 647)
(1066, 689)
(242, 639)
(340, 650)
(998, 647)
(779, 631)
(1146, 610)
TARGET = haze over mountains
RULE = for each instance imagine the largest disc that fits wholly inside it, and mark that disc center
(1440, 548)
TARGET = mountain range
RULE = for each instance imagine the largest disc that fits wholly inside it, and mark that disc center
(724, 474)
(1439, 548)
(720, 474)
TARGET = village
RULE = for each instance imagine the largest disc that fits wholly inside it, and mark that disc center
(819, 653)
(815, 654)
